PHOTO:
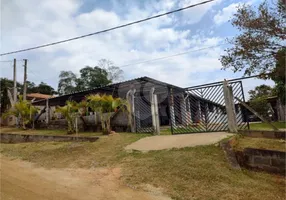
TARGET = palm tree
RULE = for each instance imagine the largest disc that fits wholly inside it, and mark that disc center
(69, 112)
(105, 105)
(22, 110)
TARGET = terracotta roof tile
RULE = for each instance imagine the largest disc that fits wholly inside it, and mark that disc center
(39, 95)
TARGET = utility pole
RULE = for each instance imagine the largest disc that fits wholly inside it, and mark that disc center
(25, 80)
(15, 83)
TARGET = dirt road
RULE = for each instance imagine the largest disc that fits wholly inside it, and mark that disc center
(22, 181)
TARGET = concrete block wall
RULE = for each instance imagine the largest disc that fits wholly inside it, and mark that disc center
(266, 160)
(264, 134)
(255, 159)
(22, 138)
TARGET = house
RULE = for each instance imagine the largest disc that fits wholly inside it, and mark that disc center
(177, 107)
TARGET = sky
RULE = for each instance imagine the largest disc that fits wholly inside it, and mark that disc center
(30, 23)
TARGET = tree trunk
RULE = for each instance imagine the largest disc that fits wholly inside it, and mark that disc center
(108, 125)
(23, 124)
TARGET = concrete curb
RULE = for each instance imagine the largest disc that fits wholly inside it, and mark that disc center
(22, 138)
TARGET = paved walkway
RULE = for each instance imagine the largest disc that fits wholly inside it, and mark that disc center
(176, 141)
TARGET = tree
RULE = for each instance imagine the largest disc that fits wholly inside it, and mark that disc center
(67, 82)
(105, 105)
(278, 75)
(31, 87)
(6, 84)
(4, 96)
(114, 73)
(261, 91)
(258, 99)
(92, 77)
(44, 88)
(23, 110)
(262, 34)
(69, 112)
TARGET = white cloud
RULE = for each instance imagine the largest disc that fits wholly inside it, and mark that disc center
(195, 14)
(31, 22)
(225, 14)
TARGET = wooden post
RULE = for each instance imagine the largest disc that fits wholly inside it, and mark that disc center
(229, 105)
(25, 80)
(15, 83)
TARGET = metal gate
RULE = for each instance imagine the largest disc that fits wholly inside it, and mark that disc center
(202, 109)
(143, 116)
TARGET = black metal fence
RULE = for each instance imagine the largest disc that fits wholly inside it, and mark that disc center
(202, 109)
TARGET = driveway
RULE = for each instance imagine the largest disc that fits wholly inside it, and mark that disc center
(176, 141)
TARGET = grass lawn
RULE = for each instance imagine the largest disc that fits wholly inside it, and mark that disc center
(265, 126)
(261, 143)
(189, 173)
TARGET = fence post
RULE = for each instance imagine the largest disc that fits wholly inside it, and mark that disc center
(130, 99)
(154, 112)
(230, 109)
(153, 109)
(172, 111)
(156, 115)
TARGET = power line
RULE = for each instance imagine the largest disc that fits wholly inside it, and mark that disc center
(170, 56)
(107, 30)
(147, 61)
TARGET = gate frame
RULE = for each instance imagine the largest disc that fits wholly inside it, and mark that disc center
(244, 116)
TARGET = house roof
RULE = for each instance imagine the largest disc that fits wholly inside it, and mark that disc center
(114, 89)
(39, 96)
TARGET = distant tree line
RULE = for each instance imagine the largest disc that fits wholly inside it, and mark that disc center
(6, 84)
(100, 75)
